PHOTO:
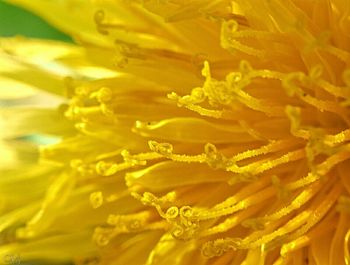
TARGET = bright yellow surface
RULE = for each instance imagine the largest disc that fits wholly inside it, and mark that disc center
(193, 132)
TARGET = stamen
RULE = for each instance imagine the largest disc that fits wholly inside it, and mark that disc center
(291, 225)
(339, 53)
(187, 226)
(184, 221)
(320, 170)
(261, 166)
(299, 201)
(96, 199)
(287, 248)
(103, 26)
(322, 105)
(228, 93)
(344, 204)
(346, 77)
(197, 96)
(138, 158)
(333, 89)
(231, 222)
(76, 112)
(215, 159)
(346, 248)
(220, 246)
(315, 146)
(82, 168)
(257, 198)
(99, 18)
(304, 240)
(164, 149)
(228, 29)
(109, 168)
(252, 188)
(211, 156)
(321, 210)
(190, 102)
(103, 95)
(151, 200)
(254, 133)
(288, 83)
(282, 192)
(122, 224)
(338, 138)
(294, 113)
(273, 146)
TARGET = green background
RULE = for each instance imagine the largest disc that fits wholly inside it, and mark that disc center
(17, 21)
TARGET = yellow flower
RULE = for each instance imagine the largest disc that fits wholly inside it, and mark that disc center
(196, 132)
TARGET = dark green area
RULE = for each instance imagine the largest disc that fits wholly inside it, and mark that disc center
(17, 21)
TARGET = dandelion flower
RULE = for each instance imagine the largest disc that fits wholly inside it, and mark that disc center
(192, 132)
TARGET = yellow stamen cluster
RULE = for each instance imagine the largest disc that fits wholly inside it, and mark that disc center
(223, 137)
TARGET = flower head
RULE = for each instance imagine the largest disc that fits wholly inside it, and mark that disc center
(194, 132)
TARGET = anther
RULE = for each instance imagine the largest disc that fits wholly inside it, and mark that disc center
(343, 204)
(316, 72)
(103, 95)
(346, 77)
(96, 199)
(214, 158)
(99, 17)
(164, 149)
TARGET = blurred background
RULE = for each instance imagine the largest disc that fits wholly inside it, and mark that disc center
(17, 21)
